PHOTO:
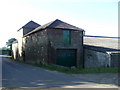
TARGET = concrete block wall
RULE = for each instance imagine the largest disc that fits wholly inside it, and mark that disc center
(96, 59)
(115, 59)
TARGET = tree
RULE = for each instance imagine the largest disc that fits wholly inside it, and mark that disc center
(10, 41)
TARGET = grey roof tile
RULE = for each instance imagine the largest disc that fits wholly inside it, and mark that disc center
(30, 24)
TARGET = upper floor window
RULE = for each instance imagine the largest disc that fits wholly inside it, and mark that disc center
(67, 37)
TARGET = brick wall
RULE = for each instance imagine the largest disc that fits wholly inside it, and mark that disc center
(42, 45)
(55, 37)
(36, 47)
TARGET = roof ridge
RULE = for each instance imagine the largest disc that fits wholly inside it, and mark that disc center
(53, 24)
(47, 25)
(31, 21)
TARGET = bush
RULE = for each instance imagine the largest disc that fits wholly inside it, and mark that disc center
(5, 52)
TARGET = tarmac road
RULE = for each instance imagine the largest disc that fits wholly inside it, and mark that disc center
(17, 75)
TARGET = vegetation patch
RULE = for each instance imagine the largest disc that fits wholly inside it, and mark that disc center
(4, 51)
(78, 70)
(74, 70)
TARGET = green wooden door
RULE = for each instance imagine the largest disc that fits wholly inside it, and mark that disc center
(66, 57)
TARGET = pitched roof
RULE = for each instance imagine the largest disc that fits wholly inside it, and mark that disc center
(30, 24)
(56, 24)
(108, 42)
(102, 49)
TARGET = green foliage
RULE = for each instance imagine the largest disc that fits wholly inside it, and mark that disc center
(4, 51)
(10, 41)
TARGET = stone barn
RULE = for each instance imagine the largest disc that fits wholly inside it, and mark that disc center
(56, 43)
(31, 25)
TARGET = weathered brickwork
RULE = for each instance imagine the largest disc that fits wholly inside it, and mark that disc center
(56, 42)
(42, 45)
(59, 43)
(21, 41)
(36, 47)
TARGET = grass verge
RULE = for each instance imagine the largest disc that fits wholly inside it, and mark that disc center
(75, 70)
(78, 70)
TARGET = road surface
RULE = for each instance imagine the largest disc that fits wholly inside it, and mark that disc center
(17, 75)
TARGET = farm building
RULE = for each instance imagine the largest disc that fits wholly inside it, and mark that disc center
(59, 43)
(19, 45)
(101, 52)
(15, 49)
(56, 43)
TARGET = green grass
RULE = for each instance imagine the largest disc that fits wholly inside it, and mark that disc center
(78, 70)
(75, 70)
(4, 48)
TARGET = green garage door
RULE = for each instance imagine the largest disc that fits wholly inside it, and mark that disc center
(66, 57)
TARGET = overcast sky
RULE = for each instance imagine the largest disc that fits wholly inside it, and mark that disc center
(96, 17)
